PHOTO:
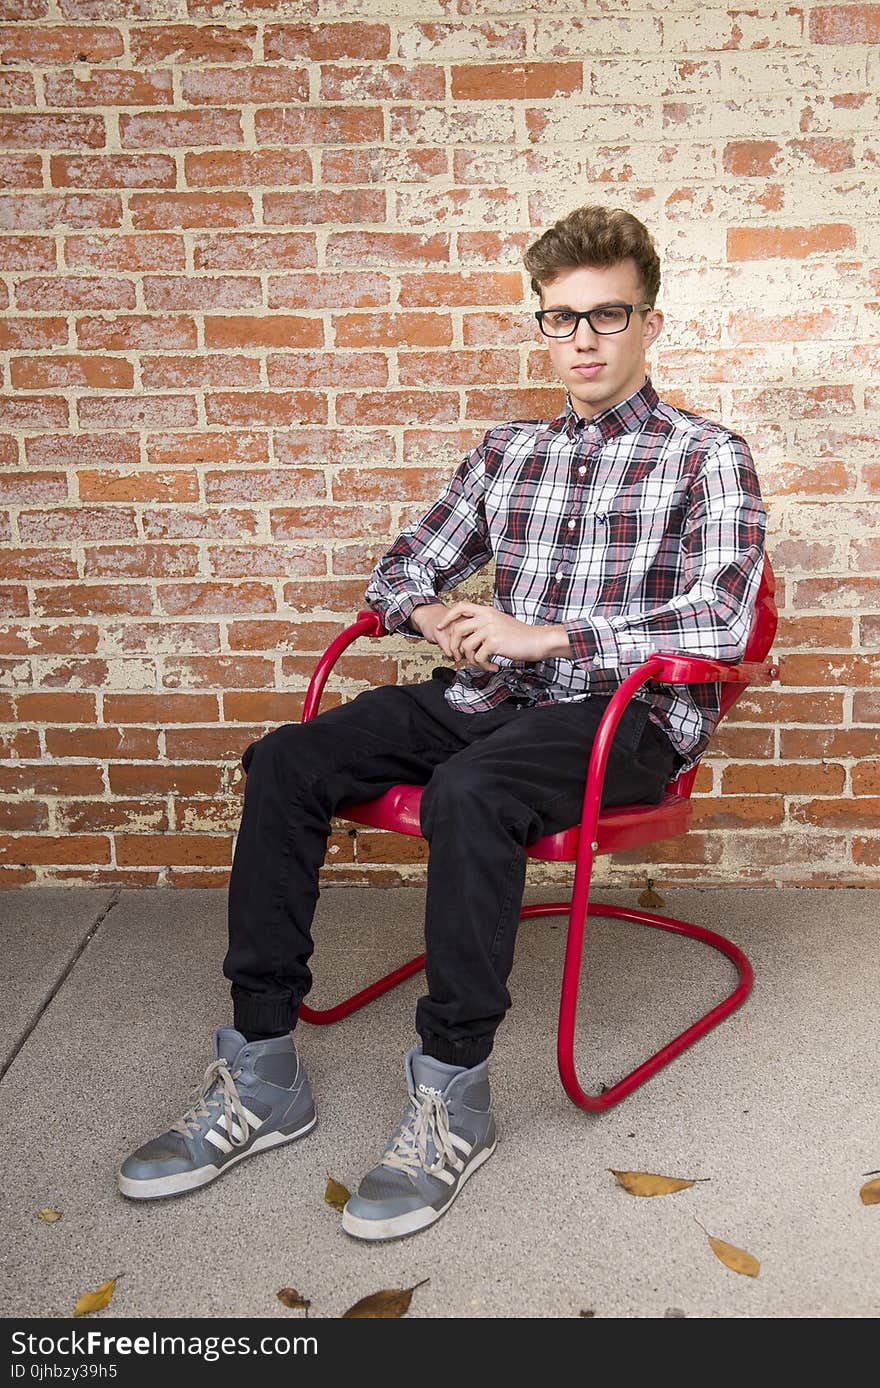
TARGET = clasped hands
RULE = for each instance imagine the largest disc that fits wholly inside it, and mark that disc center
(474, 632)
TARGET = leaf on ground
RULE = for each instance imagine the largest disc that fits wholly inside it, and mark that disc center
(48, 1215)
(335, 1194)
(289, 1296)
(647, 1183)
(870, 1192)
(96, 1300)
(383, 1305)
(649, 897)
(589, 1313)
(734, 1258)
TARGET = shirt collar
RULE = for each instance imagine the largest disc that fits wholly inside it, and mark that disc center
(624, 418)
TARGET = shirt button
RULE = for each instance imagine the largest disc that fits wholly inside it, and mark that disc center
(560, 573)
(572, 524)
(581, 470)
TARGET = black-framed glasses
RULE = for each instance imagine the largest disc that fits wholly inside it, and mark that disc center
(605, 319)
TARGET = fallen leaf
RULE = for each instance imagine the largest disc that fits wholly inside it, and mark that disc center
(289, 1296)
(587, 1313)
(734, 1258)
(649, 897)
(96, 1300)
(870, 1192)
(48, 1215)
(335, 1194)
(647, 1183)
(383, 1305)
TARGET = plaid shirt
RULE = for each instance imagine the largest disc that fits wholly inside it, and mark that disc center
(639, 531)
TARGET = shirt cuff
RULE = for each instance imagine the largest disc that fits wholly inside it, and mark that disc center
(396, 613)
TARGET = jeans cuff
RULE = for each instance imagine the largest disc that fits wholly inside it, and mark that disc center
(256, 1012)
(467, 1053)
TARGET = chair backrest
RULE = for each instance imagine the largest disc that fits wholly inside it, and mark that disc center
(760, 639)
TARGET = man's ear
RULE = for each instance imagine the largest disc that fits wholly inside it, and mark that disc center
(653, 327)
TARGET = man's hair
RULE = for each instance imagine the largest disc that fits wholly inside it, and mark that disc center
(594, 237)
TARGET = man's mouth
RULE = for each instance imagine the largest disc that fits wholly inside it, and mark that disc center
(588, 369)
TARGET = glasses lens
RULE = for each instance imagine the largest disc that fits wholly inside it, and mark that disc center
(558, 322)
(609, 320)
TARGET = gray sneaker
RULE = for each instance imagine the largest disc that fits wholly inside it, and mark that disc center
(446, 1133)
(252, 1096)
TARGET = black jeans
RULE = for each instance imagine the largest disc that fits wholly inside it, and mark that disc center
(494, 783)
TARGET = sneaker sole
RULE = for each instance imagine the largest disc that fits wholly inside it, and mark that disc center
(413, 1220)
(182, 1181)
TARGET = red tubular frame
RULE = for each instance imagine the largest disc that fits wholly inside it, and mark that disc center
(621, 828)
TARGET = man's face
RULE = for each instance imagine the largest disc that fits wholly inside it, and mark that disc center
(599, 370)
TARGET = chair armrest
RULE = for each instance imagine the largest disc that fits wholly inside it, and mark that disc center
(368, 624)
(669, 668)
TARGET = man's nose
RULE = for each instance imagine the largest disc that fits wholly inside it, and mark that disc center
(584, 335)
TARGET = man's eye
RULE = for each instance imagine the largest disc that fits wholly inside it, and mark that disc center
(607, 315)
(561, 317)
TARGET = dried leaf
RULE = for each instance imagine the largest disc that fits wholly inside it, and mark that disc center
(48, 1215)
(870, 1192)
(335, 1194)
(289, 1296)
(649, 897)
(96, 1300)
(589, 1313)
(734, 1258)
(383, 1305)
(647, 1183)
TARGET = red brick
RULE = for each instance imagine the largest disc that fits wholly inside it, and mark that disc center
(33, 412)
(112, 171)
(160, 211)
(838, 814)
(14, 877)
(813, 743)
(328, 447)
(27, 253)
(845, 24)
(14, 601)
(353, 248)
(457, 368)
(461, 289)
(866, 778)
(17, 89)
(36, 564)
(57, 211)
(66, 292)
(846, 594)
(177, 848)
(733, 811)
(21, 745)
(429, 329)
(350, 521)
(266, 561)
(51, 780)
(262, 168)
(21, 171)
(271, 408)
(182, 129)
(518, 81)
(338, 596)
(260, 635)
(23, 816)
(494, 329)
(186, 44)
(269, 250)
(85, 816)
(382, 165)
(866, 707)
(97, 877)
(175, 523)
(374, 484)
(165, 780)
(137, 332)
(61, 372)
(364, 290)
(252, 85)
(58, 44)
(310, 126)
(222, 672)
(322, 42)
(397, 407)
(32, 486)
(326, 370)
(210, 744)
(264, 330)
(165, 293)
(309, 206)
(115, 87)
(835, 670)
(268, 709)
(26, 849)
(145, 252)
(792, 403)
(793, 778)
(29, 334)
(228, 448)
(513, 404)
(196, 878)
(866, 849)
(141, 561)
(758, 158)
(101, 744)
(205, 371)
(382, 82)
(85, 600)
(38, 131)
(787, 243)
(71, 450)
(145, 411)
(213, 598)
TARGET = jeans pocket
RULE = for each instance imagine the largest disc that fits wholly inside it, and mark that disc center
(628, 733)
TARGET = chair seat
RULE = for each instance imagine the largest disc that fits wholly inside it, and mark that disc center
(626, 827)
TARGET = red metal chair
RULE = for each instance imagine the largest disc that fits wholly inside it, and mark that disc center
(600, 831)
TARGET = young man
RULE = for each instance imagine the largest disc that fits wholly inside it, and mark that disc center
(621, 527)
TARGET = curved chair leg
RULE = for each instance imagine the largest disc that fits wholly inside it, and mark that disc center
(322, 1017)
(595, 1103)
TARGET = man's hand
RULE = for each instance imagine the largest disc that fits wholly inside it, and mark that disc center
(425, 618)
(475, 632)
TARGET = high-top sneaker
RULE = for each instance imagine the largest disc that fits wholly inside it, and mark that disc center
(252, 1096)
(446, 1133)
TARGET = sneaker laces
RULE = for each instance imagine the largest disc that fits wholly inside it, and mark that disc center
(216, 1076)
(427, 1120)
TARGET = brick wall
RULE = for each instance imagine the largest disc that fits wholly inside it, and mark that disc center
(261, 288)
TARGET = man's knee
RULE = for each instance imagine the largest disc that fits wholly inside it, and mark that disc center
(278, 743)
